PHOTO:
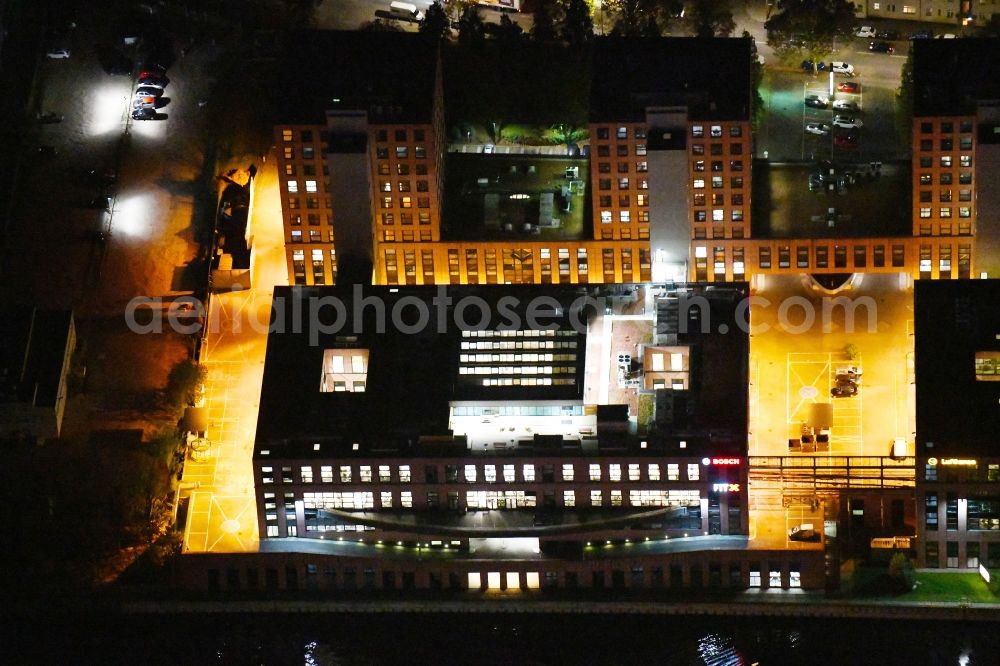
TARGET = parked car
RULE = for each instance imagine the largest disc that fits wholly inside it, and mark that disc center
(803, 532)
(922, 34)
(46, 151)
(808, 66)
(147, 114)
(865, 31)
(147, 91)
(151, 71)
(153, 82)
(846, 122)
(816, 102)
(820, 129)
(49, 118)
(845, 389)
(845, 140)
(58, 54)
(888, 34)
(845, 105)
(842, 68)
(144, 103)
(848, 87)
(881, 47)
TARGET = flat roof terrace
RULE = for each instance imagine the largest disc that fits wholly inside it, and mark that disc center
(785, 206)
(515, 197)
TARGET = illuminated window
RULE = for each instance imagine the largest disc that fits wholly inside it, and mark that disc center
(366, 473)
(385, 497)
(406, 499)
(673, 472)
(310, 186)
(595, 498)
(595, 472)
(470, 473)
(404, 473)
(694, 472)
(528, 471)
(306, 473)
(616, 498)
(490, 473)
(633, 472)
(653, 472)
(754, 578)
(508, 473)
(615, 472)
(383, 474)
(569, 498)
(326, 473)
(699, 183)
(567, 472)
(345, 474)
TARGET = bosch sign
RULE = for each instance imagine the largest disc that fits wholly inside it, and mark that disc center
(724, 462)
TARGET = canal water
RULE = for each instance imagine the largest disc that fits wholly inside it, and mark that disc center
(528, 640)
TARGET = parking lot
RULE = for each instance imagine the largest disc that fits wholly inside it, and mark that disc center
(783, 136)
(791, 369)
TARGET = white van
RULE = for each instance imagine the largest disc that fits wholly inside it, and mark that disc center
(407, 9)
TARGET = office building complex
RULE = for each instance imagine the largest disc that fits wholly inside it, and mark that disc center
(588, 448)
(660, 188)
(957, 329)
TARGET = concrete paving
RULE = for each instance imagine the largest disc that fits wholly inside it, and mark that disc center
(222, 515)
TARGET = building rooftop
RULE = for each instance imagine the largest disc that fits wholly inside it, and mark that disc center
(388, 74)
(387, 388)
(957, 329)
(950, 76)
(712, 77)
(32, 352)
(439, 389)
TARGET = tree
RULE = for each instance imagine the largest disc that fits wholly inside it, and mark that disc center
(435, 25)
(471, 31)
(901, 572)
(183, 383)
(630, 16)
(711, 18)
(546, 14)
(507, 33)
(757, 70)
(807, 28)
(577, 25)
(904, 100)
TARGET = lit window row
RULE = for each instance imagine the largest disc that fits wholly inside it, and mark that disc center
(527, 344)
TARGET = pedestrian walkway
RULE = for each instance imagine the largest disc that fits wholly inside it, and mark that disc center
(222, 513)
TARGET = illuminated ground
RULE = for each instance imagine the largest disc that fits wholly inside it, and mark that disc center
(221, 512)
(790, 370)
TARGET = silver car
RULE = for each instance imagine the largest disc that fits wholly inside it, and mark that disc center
(820, 129)
(846, 122)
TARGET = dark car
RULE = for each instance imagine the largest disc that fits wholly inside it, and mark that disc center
(155, 81)
(148, 114)
(807, 66)
(881, 47)
(816, 102)
(49, 118)
(844, 389)
(922, 34)
(887, 34)
(46, 151)
(845, 140)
